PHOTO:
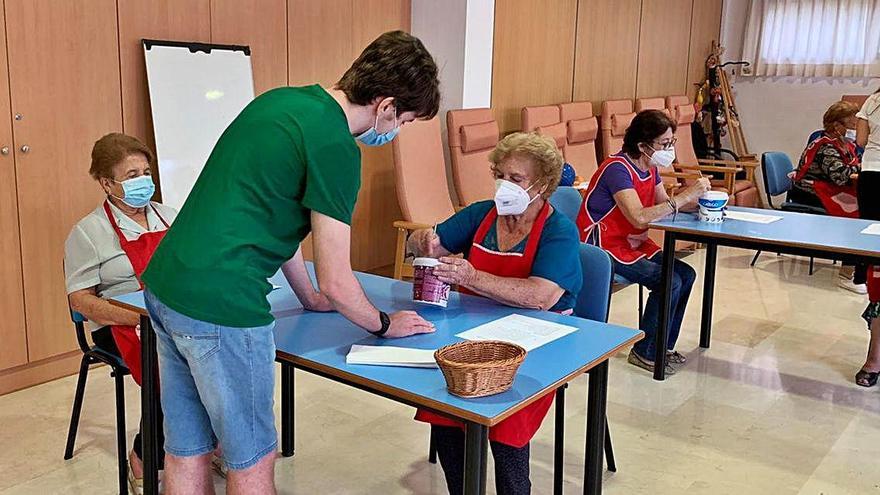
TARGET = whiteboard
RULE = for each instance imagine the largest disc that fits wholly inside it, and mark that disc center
(196, 90)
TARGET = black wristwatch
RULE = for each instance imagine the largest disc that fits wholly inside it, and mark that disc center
(386, 323)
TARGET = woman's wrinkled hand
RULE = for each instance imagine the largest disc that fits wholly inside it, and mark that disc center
(456, 271)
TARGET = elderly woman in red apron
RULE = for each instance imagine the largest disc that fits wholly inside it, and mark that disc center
(520, 252)
(625, 195)
(824, 174)
(824, 177)
(108, 249)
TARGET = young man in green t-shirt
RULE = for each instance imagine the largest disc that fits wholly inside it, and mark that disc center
(286, 166)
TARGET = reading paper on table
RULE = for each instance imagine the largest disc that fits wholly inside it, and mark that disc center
(873, 229)
(751, 217)
(528, 333)
(391, 356)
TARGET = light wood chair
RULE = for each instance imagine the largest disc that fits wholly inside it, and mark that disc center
(472, 135)
(420, 180)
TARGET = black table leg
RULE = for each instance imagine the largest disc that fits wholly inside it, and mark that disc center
(597, 396)
(150, 407)
(559, 441)
(476, 445)
(288, 427)
(665, 309)
(708, 294)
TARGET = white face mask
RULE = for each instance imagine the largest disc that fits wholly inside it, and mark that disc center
(662, 158)
(510, 199)
(850, 134)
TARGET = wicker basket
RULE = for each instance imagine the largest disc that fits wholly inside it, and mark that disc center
(479, 368)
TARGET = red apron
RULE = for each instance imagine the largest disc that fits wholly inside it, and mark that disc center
(873, 283)
(518, 429)
(139, 252)
(838, 201)
(614, 233)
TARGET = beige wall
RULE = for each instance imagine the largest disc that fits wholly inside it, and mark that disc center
(596, 50)
(97, 84)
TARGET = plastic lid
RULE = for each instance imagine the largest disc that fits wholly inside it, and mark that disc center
(425, 262)
(714, 195)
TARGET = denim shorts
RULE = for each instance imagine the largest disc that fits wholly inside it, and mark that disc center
(217, 384)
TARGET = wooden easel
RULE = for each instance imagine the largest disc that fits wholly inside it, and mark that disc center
(727, 104)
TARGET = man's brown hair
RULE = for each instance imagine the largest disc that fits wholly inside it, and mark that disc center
(395, 65)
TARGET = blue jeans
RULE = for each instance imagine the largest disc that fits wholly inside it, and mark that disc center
(218, 384)
(648, 272)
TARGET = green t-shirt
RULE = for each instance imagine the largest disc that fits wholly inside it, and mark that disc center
(290, 151)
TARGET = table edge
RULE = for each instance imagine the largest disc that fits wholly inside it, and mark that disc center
(445, 409)
(774, 242)
(137, 309)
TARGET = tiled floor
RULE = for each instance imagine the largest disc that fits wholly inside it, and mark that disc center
(770, 409)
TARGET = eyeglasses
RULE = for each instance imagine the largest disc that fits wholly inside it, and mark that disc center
(668, 144)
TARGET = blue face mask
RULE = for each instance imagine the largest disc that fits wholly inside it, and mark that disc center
(371, 136)
(137, 191)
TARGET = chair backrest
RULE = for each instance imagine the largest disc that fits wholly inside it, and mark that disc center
(615, 118)
(567, 200)
(657, 103)
(581, 131)
(683, 114)
(77, 317)
(595, 296)
(815, 135)
(472, 134)
(545, 121)
(79, 325)
(420, 173)
(535, 117)
(776, 167)
(859, 100)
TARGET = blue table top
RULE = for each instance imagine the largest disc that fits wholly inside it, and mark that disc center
(825, 233)
(320, 341)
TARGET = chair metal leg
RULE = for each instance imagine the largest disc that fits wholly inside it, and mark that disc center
(609, 449)
(120, 433)
(755, 259)
(641, 303)
(77, 406)
(432, 448)
(811, 265)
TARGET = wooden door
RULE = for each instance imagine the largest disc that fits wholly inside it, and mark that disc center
(64, 82)
(373, 238)
(260, 24)
(179, 20)
(13, 350)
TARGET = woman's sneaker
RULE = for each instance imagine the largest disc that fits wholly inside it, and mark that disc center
(853, 287)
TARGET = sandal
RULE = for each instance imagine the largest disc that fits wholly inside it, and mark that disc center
(675, 357)
(643, 363)
(135, 484)
(219, 467)
(867, 378)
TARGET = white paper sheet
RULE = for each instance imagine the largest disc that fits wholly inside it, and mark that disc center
(873, 229)
(391, 356)
(530, 333)
(751, 217)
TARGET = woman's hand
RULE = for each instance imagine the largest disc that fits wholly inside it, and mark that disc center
(318, 303)
(456, 271)
(425, 243)
(693, 192)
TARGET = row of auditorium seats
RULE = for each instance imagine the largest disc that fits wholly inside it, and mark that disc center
(420, 169)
